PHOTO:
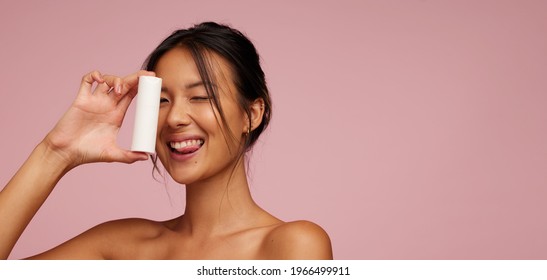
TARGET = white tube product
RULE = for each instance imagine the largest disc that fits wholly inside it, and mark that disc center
(146, 115)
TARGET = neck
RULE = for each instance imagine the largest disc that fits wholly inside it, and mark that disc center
(219, 205)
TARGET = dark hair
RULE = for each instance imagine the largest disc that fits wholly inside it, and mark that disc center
(244, 61)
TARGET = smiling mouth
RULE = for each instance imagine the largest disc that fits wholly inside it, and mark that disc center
(186, 147)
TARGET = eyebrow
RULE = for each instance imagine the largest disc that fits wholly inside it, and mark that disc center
(200, 83)
(193, 85)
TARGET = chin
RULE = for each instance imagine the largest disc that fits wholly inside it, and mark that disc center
(182, 179)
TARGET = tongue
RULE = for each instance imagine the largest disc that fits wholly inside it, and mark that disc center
(187, 150)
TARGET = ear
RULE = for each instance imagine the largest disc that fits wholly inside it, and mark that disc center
(257, 112)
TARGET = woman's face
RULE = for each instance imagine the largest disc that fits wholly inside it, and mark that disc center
(191, 144)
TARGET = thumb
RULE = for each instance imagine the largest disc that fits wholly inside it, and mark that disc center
(126, 156)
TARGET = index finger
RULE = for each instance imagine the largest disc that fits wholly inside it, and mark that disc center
(89, 79)
(131, 81)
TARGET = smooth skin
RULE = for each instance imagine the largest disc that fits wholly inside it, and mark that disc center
(221, 220)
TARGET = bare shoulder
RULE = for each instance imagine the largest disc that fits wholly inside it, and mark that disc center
(298, 240)
(126, 238)
(111, 240)
(126, 230)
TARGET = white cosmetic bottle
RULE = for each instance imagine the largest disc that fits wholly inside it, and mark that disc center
(146, 115)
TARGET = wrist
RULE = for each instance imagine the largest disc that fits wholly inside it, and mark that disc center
(56, 155)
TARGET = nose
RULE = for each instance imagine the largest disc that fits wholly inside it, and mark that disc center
(179, 114)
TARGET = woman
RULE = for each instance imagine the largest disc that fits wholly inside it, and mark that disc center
(214, 105)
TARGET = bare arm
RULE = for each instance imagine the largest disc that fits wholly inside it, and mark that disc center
(86, 133)
(26, 192)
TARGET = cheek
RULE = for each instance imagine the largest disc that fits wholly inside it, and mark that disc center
(162, 116)
(224, 141)
(206, 118)
(162, 119)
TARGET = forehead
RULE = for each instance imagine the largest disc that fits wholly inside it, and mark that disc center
(177, 66)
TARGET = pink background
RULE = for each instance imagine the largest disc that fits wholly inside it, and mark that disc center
(407, 129)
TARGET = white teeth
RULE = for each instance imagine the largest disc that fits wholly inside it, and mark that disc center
(183, 144)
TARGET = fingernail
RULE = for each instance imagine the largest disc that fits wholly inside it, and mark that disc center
(118, 89)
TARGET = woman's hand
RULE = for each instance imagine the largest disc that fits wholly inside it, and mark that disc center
(88, 130)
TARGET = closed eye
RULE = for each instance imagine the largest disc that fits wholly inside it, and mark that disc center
(200, 98)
